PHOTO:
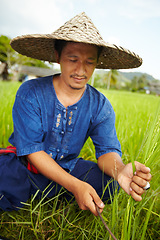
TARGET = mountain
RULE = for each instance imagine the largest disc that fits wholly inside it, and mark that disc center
(126, 77)
(131, 75)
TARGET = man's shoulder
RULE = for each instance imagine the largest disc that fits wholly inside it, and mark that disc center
(96, 95)
(99, 102)
(35, 86)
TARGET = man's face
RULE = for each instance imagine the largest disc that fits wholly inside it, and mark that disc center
(77, 61)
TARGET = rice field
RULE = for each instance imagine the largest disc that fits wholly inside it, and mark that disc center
(138, 125)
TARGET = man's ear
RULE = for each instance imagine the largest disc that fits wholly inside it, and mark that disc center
(57, 57)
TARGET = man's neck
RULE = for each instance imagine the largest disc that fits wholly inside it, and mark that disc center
(65, 94)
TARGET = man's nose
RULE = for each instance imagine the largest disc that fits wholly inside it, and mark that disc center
(80, 69)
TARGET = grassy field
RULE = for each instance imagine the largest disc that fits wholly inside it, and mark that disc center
(137, 124)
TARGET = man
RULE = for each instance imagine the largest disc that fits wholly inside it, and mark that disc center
(54, 116)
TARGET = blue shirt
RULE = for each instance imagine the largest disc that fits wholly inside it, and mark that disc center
(41, 122)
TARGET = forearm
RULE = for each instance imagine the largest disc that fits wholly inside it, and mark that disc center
(50, 169)
(111, 164)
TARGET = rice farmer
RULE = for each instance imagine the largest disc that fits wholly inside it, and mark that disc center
(53, 116)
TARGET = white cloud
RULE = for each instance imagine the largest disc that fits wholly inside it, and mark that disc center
(92, 1)
(140, 10)
(28, 16)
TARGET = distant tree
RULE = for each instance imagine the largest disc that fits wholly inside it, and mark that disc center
(6, 53)
(138, 83)
(134, 83)
(12, 59)
(142, 81)
(110, 78)
(97, 80)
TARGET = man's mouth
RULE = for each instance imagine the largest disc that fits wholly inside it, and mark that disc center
(79, 78)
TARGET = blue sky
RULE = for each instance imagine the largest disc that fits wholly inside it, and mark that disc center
(132, 24)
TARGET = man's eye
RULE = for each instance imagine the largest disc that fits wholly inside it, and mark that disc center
(73, 60)
(90, 63)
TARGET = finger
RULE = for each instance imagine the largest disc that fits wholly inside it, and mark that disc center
(100, 205)
(145, 176)
(139, 190)
(92, 208)
(139, 181)
(141, 167)
(135, 196)
(89, 204)
(98, 201)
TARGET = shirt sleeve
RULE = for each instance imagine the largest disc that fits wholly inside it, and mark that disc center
(103, 132)
(28, 132)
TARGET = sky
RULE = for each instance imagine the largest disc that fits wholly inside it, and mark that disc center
(132, 24)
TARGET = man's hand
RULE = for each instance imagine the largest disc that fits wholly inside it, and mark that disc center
(84, 193)
(87, 198)
(133, 184)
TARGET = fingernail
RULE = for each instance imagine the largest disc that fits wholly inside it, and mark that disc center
(135, 173)
(131, 189)
(102, 205)
(148, 168)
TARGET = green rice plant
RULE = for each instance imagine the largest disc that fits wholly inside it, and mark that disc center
(7, 96)
(138, 131)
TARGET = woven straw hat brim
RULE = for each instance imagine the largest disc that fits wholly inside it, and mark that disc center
(78, 29)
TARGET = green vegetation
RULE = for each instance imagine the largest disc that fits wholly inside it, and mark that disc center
(7, 93)
(128, 81)
(137, 123)
(12, 59)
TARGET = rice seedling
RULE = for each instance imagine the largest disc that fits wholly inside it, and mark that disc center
(7, 96)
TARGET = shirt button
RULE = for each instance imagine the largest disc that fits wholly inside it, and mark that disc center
(64, 110)
(58, 150)
(50, 155)
(62, 132)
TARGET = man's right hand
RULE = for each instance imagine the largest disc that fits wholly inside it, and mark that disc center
(84, 193)
(87, 198)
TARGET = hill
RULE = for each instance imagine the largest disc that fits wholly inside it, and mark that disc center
(126, 77)
(131, 75)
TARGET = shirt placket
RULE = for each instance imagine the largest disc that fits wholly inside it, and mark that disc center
(62, 130)
(68, 122)
(57, 132)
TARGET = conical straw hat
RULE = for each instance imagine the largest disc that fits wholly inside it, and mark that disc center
(78, 29)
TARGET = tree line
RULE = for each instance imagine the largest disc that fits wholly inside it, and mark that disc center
(113, 79)
(11, 58)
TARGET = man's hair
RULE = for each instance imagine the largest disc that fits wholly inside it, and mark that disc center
(60, 44)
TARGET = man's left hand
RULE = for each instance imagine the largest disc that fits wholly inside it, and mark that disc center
(134, 183)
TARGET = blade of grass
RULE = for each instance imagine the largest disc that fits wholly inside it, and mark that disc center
(147, 219)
